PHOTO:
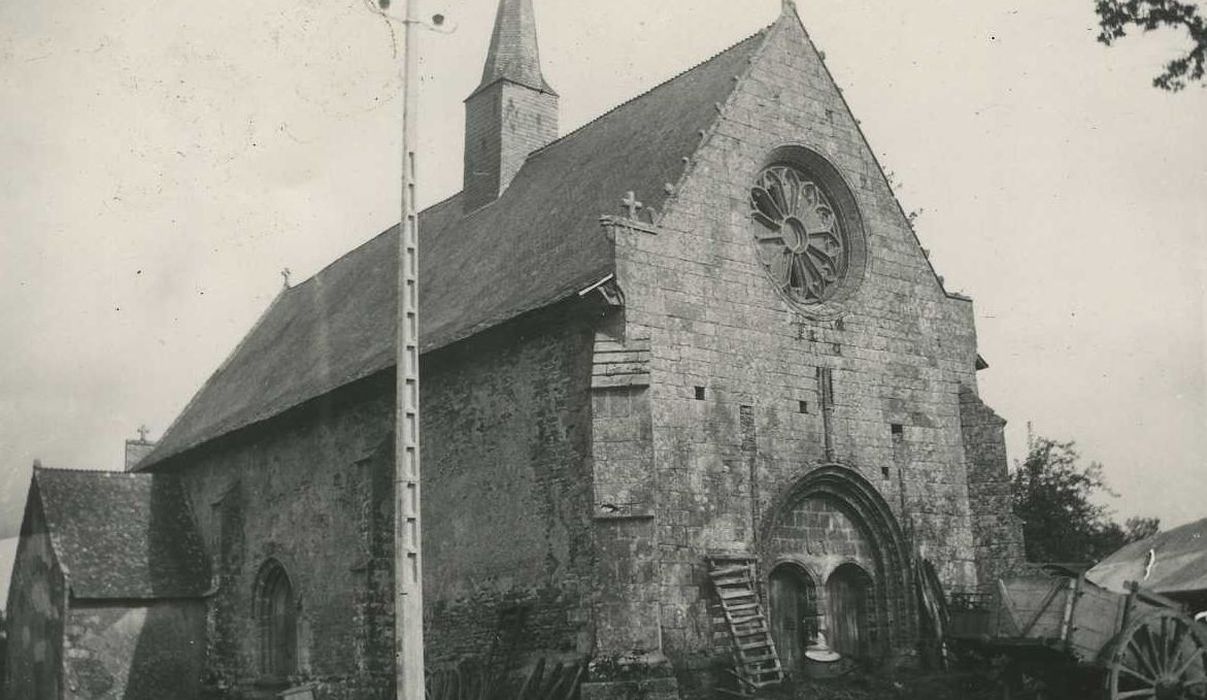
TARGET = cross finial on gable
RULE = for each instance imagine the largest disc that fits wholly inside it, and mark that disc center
(142, 433)
(631, 205)
(285, 276)
(788, 6)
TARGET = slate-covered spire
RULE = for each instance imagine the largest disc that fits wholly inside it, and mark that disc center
(512, 113)
(513, 52)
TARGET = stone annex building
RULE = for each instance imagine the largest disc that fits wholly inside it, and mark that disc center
(754, 365)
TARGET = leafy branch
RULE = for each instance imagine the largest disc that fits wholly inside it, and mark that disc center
(1116, 17)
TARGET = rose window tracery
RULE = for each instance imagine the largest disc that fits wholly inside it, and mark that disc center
(800, 238)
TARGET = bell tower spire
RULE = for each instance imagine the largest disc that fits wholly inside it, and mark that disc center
(514, 54)
(512, 113)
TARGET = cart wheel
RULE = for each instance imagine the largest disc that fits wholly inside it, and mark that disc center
(1160, 656)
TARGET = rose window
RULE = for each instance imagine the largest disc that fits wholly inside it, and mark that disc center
(800, 239)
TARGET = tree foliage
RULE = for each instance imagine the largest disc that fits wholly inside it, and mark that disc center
(1116, 17)
(1136, 529)
(1053, 496)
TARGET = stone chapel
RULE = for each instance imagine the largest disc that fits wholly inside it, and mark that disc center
(683, 367)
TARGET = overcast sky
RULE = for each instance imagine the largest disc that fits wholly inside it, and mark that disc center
(162, 162)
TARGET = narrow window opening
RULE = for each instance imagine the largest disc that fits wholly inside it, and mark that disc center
(884, 472)
(898, 432)
(803, 406)
(699, 393)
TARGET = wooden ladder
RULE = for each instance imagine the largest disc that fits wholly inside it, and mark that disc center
(757, 662)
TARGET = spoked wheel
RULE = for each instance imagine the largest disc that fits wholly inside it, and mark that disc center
(1161, 656)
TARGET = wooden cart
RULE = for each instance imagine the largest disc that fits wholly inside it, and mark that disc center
(1060, 629)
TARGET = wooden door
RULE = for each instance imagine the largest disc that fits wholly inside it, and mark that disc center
(849, 590)
(793, 609)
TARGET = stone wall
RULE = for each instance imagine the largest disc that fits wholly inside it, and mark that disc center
(997, 531)
(821, 536)
(507, 484)
(734, 391)
(310, 489)
(506, 511)
(144, 651)
(36, 607)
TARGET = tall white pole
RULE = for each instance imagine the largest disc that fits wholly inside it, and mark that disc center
(408, 571)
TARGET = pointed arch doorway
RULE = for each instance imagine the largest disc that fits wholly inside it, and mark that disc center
(834, 523)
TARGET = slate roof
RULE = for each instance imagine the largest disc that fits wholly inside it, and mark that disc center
(122, 535)
(513, 53)
(538, 243)
(1179, 562)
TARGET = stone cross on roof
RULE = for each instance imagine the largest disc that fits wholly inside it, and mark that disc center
(142, 433)
(631, 205)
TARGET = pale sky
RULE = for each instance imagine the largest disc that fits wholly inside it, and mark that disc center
(164, 161)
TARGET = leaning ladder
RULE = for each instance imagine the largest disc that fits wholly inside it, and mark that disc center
(758, 664)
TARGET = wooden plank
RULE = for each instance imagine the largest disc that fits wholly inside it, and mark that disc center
(1032, 609)
(619, 380)
(615, 356)
(613, 368)
(1006, 605)
(731, 582)
(1043, 606)
(605, 343)
(724, 570)
(1096, 622)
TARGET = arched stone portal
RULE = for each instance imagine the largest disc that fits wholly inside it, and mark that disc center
(834, 523)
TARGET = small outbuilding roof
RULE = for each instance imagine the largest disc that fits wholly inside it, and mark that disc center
(122, 535)
(1177, 564)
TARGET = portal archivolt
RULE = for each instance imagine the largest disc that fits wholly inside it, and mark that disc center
(839, 569)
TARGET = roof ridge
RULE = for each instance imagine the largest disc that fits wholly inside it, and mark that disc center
(707, 134)
(867, 144)
(70, 470)
(642, 95)
(384, 232)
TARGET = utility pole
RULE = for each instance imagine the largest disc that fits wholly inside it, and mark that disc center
(408, 569)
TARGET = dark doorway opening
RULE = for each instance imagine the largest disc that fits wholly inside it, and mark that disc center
(792, 597)
(849, 591)
(278, 623)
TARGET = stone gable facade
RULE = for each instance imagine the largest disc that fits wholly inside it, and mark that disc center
(735, 369)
